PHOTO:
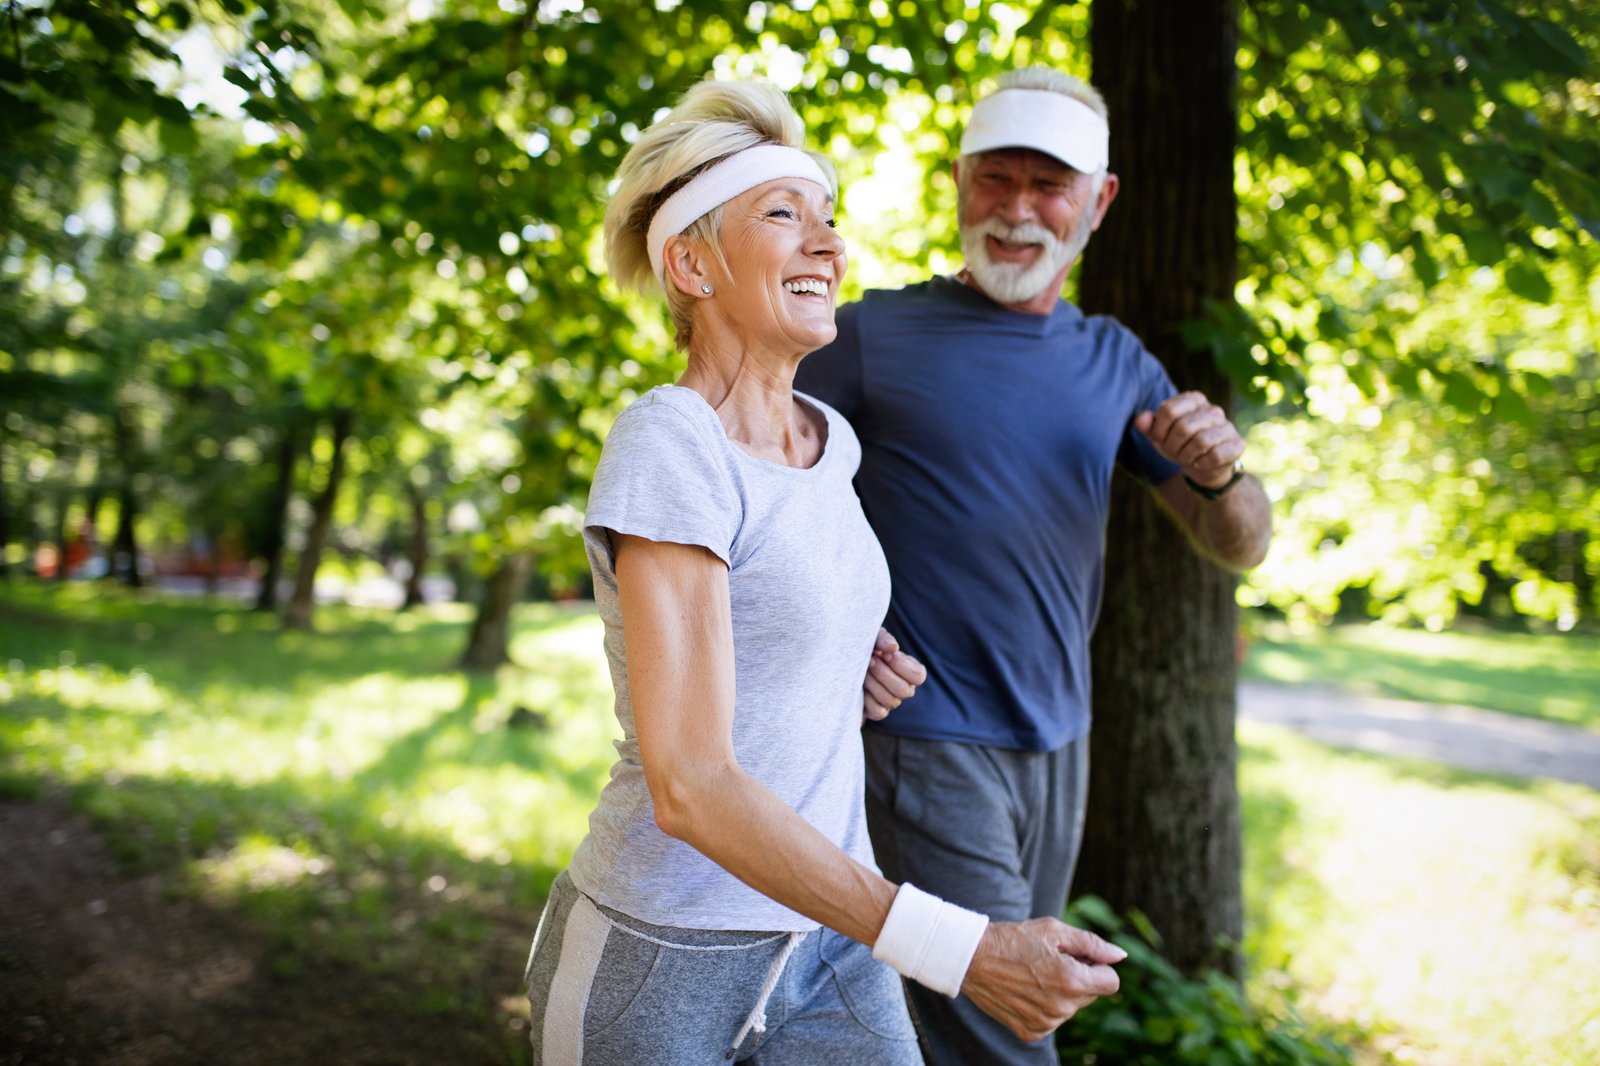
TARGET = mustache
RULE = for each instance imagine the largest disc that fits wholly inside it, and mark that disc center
(1021, 233)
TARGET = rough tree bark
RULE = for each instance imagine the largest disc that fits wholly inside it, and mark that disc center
(298, 613)
(1163, 830)
(277, 520)
(489, 645)
(417, 554)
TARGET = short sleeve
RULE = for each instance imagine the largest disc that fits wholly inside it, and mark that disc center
(833, 373)
(660, 477)
(1152, 388)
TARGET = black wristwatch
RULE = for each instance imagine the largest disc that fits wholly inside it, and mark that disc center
(1216, 493)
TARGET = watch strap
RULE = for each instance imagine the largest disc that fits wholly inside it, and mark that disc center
(1216, 493)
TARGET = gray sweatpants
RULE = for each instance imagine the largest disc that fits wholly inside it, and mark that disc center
(992, 829)
(610, 990)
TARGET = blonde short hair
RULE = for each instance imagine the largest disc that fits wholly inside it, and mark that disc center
(713, 120)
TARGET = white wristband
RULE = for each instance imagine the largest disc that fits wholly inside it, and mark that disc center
(928, 940)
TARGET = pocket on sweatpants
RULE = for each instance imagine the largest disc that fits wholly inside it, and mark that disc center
(627, 963)
(886, 775)
(872, 993)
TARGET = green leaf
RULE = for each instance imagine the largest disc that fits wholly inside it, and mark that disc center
(1561, 46)
(1461, 392)
(178, 136)
(1502, 182)
(1526, 280)
(1484, 245)
(1540, 209)
(1331, 323)
(1362, 377)
(1422, 261)
(1510, 404)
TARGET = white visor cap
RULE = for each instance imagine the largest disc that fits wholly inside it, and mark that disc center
(1049, 122)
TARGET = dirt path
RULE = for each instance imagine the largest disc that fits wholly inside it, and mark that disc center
(97, 967)
(1465, 737)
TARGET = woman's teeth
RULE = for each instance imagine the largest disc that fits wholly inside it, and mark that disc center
(815, 286)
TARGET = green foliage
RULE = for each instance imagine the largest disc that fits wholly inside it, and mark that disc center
(1389, 149)
(402, 221)
(1418, 186)
(1162, 1018)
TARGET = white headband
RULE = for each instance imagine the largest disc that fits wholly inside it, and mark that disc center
(1049, 122)
(738, 173)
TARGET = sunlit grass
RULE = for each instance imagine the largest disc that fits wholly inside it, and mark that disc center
(359, 799)
(340, 787)
(1554, 676)
(1454, 916)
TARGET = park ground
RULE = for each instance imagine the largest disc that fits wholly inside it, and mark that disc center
(226, 842)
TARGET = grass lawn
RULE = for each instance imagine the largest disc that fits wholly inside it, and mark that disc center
(1453, 917)
(1551, 676)
(361, 802)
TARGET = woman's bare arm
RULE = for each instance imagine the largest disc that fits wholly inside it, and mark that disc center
(678, 633)
(678, 630)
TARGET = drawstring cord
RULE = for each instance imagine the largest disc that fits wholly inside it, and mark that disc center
(756, 1020)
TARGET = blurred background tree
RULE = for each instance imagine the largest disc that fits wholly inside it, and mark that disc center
(291, 289)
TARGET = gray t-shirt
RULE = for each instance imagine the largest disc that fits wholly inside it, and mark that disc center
(808, 587)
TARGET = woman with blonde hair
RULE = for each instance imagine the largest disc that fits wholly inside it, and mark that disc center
(725, 904)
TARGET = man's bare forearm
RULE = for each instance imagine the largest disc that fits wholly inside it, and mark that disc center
(1233, 530)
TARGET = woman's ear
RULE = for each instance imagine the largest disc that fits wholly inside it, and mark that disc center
(685, 266)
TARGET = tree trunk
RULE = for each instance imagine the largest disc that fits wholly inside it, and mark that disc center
(278, 520)
(418, 552)
(91, 527)
(298, 614)
(125, 545)
(63, 502)
(489, 646)
(1163, 826)
(463, 582)
(28, 520)
(213, 576)
(6, 530)
(124, 548)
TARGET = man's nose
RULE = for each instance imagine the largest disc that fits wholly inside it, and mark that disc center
(1016, 205)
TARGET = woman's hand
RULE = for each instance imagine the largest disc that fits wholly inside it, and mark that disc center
(892, 678)
(1032, 976)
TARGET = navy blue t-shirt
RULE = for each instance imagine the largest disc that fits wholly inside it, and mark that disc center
(988, 442)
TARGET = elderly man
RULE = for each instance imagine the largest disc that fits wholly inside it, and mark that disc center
(991, 414)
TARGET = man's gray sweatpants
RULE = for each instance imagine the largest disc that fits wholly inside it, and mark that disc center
(994, 830)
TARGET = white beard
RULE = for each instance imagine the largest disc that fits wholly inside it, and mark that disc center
(1013, 283)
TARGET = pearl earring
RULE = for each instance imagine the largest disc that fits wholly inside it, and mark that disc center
(706, 289)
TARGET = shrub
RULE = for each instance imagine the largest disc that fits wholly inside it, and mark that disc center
(1162, 1018)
